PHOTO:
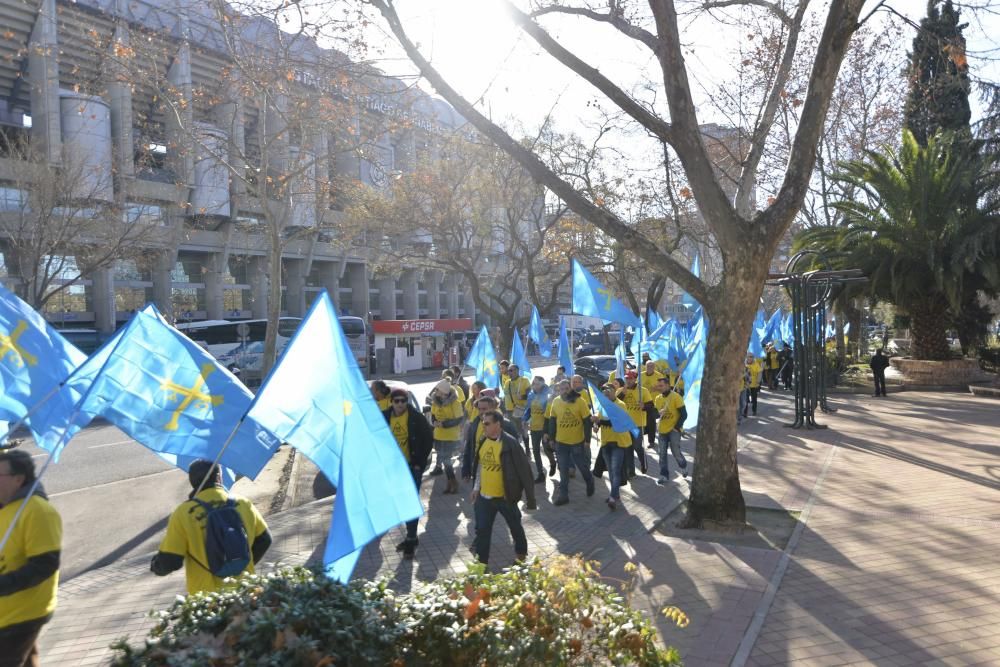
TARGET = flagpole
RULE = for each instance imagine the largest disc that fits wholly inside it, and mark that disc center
(218, 457)
(13, 427)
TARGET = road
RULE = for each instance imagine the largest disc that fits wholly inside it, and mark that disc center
(114, 495)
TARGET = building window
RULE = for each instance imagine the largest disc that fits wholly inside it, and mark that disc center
(147, 214)
(234, 300)
(13, 199)
(130, 299)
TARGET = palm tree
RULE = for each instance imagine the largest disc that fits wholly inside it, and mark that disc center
(923, 232)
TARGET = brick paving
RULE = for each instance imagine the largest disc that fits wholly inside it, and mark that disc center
(896, 563)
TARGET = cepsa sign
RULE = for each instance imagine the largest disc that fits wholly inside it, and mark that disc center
(417, 327)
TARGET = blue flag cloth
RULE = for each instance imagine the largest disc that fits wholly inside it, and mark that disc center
(168, 393)
(316, 400)
(484, 360)
(772, 330)
(620, 420)
(760, 323)
(788, 331)
(755, 348)
(687, 299)
(518, 357)
(34, 361)
(653, 321)
(620, 358)
(565, 354)
(593, 299)
(692, 385)
(536, 332)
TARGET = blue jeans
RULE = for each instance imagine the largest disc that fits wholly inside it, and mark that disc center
(670, 443)
(411, 525)
(614, 456)
(568, 456)
(486, 510)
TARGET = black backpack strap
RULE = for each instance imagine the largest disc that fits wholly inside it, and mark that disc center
(208, 508)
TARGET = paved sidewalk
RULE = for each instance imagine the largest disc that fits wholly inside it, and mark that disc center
(895, 563)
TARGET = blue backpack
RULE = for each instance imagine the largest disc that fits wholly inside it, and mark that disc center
(226, 545)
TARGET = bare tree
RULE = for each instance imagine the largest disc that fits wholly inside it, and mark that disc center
(746, 240)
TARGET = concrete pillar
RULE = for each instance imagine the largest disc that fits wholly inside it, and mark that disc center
(215, 270)
(358, 281)
(410, 282)
(452, 294)
(433, 280)
(102, 297)
(329, 279)
(470, 305)
(295, 284)
(163, 265)
(119, 99)
(179, 123)
(229, 116)
(43, 79)
(257, 274)
(387, 297)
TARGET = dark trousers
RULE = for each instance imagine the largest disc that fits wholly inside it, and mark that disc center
(411, 526)
(569, 456)
(752, 402)
(651, 417)
(536, 450)
(879, 382)
(639, 451)
(18, 644)
(614, 459)
(486, 510)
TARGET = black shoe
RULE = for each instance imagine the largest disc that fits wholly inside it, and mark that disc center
(540, 477)
(590, 488)
(598, 475)
(561, 500)
(552, 470)
(643, 468)
(408, 543)
(410, 550)
(438, 470)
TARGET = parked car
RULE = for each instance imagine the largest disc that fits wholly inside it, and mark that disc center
(597, 368)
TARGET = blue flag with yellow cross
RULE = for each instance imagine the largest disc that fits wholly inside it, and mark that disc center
(484, 360)
(593, 299)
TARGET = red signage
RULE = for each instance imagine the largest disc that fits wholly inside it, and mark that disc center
(417, 327)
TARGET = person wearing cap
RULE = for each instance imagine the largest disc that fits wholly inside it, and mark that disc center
(614, 444)
(534, 423)
(414, 436)
(637, 401)
(515, 400)
(568, 424)
(502, 475)
(487, 401)
(29, 562)
(447, 415)
(670, 408)
(184, 543)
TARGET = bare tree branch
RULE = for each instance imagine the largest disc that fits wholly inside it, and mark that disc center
(613, 18)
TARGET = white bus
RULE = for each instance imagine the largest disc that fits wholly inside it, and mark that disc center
(223, 341)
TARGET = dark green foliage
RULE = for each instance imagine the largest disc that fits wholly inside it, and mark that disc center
(938, 99)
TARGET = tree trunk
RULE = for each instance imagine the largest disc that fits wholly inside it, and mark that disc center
(929, 328)
(273, 301)
(715, 490)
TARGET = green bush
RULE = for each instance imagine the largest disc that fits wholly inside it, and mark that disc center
(557, 613)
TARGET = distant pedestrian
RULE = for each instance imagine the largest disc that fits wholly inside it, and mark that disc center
(772, 364)
(456, 372)
(29, 562)
(515, 400)
(447, 416)
(502, 477)
(415, 439)
(878, 364)
(534, 424)
(189, 544)
(787, 367)
(559, 376)
(754, 372)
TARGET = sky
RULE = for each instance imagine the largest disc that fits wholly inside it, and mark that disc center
(485, 57)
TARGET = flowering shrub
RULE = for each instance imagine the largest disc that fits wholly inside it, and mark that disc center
(556, 613)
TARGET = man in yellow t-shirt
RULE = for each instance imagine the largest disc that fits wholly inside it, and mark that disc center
(569, 426)
(184, 543)
(614, 444)
(29, 562)
(754, 370)
(447, 416)
(515, 399)
(650, 379)
(579, 385)
(502, 478)
(637, 401)
(415, 439)
(771, 366)
(670, 409)
(504, 375)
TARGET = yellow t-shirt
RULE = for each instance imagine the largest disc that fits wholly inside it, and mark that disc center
(648, 382)
(400, 427)
(772, 359)
(609, 436)
(634, 399)
(491, 480)
(37, 531)
(670, 406)
(569, 419)
(447, 412)
(754, 368)
(186, 536)
(537, 421)
(516, 393)
(662, 366)
(585, 395)
(384, 403)
(459, 393)
(471, 411)
(504, 380)
(673, 377)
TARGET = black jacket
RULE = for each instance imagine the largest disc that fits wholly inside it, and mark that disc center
(879, 362)
(421, 436)
(468, 455)
(518, 479)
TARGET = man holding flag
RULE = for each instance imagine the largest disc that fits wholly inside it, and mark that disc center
(613, 445)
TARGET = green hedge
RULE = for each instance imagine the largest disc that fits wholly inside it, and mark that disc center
(557, 613)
